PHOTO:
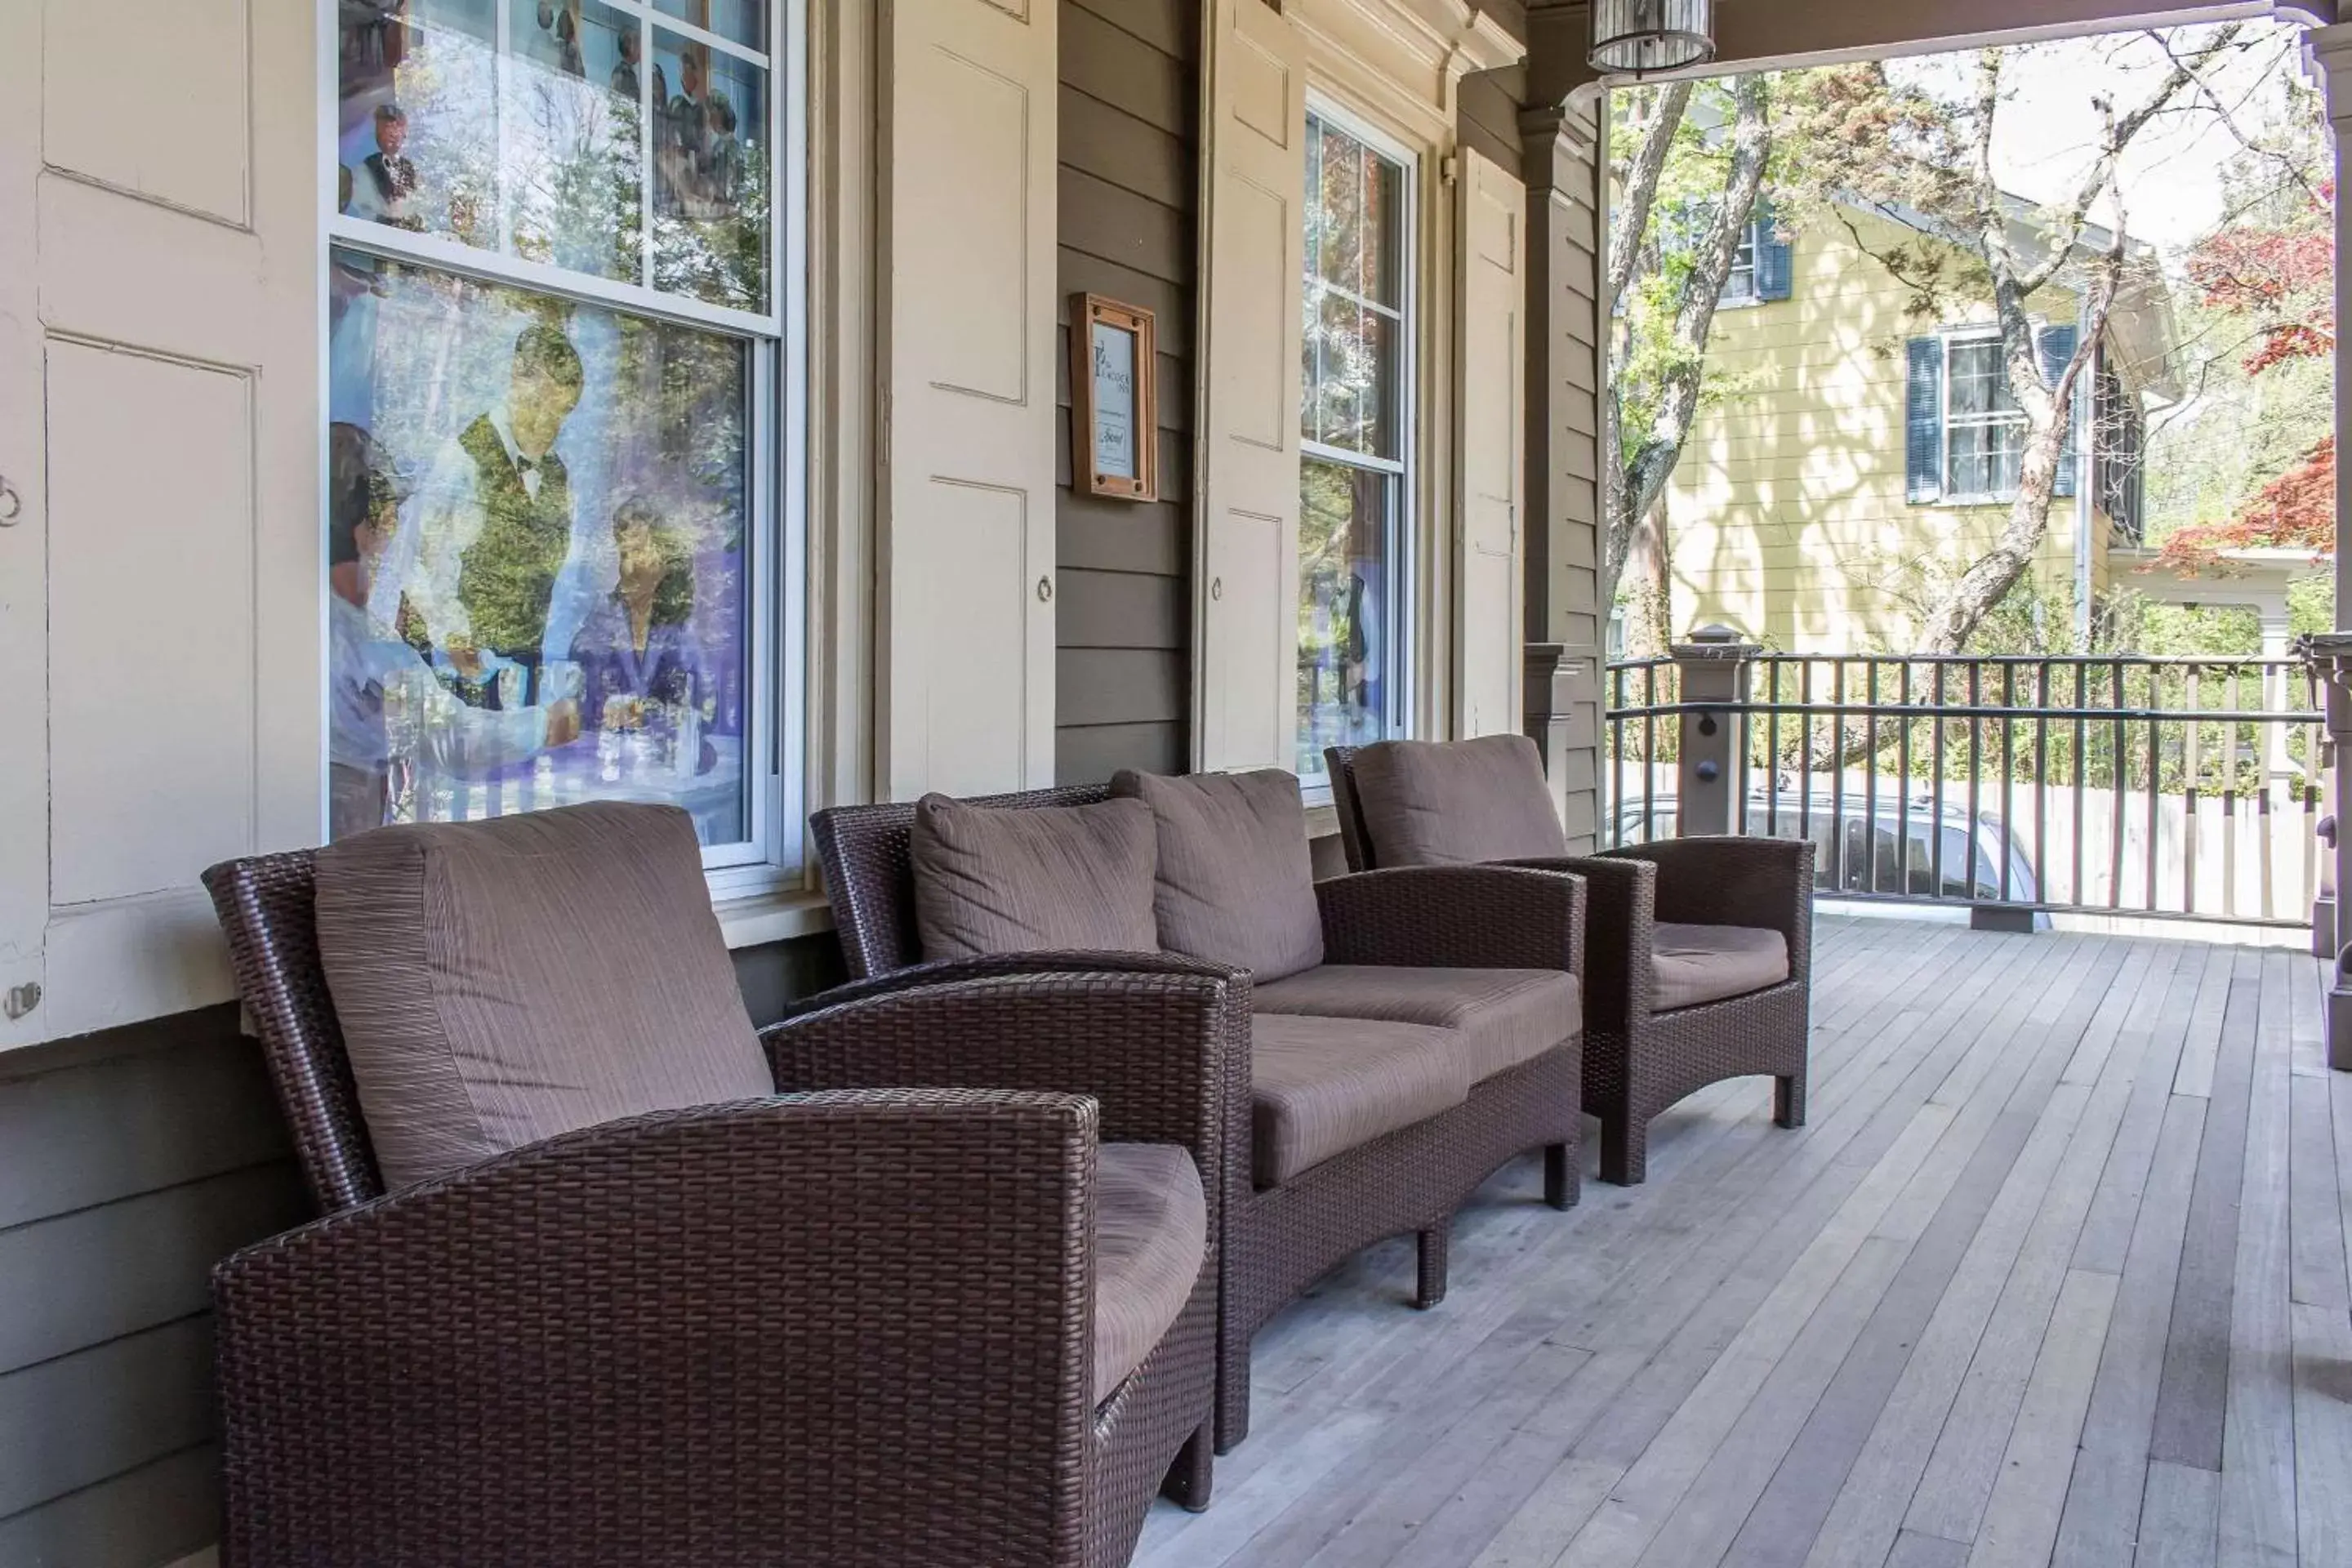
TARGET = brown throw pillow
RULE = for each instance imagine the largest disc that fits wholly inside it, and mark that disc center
(1237, 882)
(1044, 879)
(1456, 803)
(501, 981)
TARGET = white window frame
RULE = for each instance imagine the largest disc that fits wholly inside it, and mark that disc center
(1751, 245)
(1968, 337)
(772, 859)
(1403, 680)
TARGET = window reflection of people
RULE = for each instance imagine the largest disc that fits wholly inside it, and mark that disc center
(384, 188)
(722, 163)
(494, 527)
(625, 74)
(387, 712)
(558, 41)
(645, 693)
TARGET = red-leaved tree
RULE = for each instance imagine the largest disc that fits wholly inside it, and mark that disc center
(2279, 280)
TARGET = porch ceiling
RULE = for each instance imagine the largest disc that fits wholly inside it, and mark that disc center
(1771, 32)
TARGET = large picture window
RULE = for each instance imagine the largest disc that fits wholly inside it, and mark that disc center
(1356, 469)
(554, 400)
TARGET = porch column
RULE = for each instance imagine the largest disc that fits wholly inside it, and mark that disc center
(2331, 656)
(1561, 165)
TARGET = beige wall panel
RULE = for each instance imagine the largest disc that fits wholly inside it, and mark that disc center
(966, 701)
(153, 96)
(152, 712)
(1490, 605)
(1247, 421)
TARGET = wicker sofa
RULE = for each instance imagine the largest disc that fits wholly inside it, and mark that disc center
(1448, 947)
(867, 1325)
(1698, 955)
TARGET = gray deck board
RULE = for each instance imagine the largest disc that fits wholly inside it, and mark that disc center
(2057, 1274)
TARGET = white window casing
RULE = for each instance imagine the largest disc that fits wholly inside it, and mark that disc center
(964, 698)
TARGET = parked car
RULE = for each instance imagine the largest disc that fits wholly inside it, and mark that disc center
(1888, 849)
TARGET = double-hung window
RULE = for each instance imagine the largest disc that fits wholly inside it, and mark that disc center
(560, 508)
(1739, 287)
(1984, 426)
(1355, 471)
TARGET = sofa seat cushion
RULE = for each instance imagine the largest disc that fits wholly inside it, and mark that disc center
(1320, 1087)
(1504, 1016)
(1151, 1235)
(1046, 878)
(1455, 803)
(500, 981)
(1713, 963)
(1236, 880)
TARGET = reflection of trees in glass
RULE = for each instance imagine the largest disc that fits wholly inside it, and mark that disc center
(447, 83)
(720, 260)
(572, 171)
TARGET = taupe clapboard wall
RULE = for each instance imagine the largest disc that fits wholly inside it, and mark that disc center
(129, 1162)
(1129, 101)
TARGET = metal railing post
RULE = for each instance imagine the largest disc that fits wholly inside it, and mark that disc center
(1714, 666)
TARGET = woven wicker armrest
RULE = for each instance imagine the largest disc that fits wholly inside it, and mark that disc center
(842, 1329)
(1455, 917)
(1162, 1044)
(1733, 881)
(989, 966)
(1620, 925)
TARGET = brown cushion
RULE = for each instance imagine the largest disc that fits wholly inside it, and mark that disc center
(501, 981)
(1064, 878)
(1151, 1238)
(1710, 963)
(1237, 882)
(1456, 803)
(1320, 1087)
(1503, 1017)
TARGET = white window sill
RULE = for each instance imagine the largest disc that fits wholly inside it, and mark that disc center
(772, 917)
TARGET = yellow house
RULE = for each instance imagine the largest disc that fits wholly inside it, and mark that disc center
(1859, 456)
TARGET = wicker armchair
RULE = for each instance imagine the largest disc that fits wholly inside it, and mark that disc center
(852, 1326)
(1278, 1239)
(1640, 1056)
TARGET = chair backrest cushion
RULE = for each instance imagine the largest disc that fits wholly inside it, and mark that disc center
(1048, 878)
(501, 981)
(1237, 881)
(1455, 803)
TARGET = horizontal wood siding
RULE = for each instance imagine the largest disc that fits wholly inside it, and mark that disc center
(1788, 512)
(130, 1163)
(1124, 568)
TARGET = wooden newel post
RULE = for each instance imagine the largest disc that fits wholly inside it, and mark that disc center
(2329, 657)
(1714, 668)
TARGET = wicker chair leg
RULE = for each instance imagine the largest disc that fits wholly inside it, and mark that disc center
(1562, 1180)
(1624, 1149)
(1232, 1417)
(1189, 1478)
(1789, 1101)
(1430, 1287)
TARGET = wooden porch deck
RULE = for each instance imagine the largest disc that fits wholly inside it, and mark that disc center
(2057, 1273)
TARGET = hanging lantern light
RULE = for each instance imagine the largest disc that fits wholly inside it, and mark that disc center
(1645, 36)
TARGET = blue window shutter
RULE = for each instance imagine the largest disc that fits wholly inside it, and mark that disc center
(1775, 256)
(2056, 344)
(1924, 420)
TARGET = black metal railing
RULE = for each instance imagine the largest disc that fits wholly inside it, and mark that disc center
(2114, 784)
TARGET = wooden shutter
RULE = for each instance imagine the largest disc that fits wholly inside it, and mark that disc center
(1491, 606)
(1252, 237)
(2055, 345)
(1776, 272)
(1924, 421)
(160, 575)
(966, 698)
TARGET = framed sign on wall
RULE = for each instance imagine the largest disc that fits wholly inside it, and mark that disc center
(1114, 399)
